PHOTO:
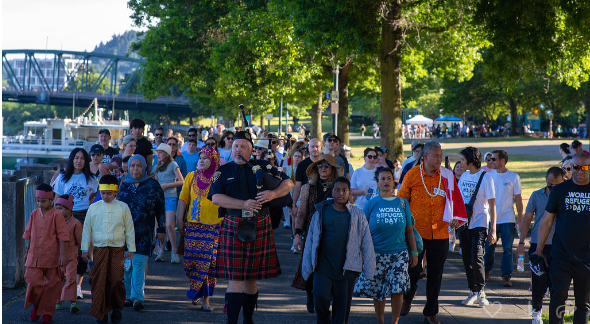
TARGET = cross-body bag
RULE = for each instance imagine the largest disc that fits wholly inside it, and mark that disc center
(469, 206)
(417, 237)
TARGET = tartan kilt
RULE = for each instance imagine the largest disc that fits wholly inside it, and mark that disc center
(239, 261)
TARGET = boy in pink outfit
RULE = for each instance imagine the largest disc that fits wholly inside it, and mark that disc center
(64, 204)
(47, 233)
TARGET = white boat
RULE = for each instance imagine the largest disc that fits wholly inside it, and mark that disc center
(56, 138)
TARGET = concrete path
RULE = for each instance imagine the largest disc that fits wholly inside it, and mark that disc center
(167, 284)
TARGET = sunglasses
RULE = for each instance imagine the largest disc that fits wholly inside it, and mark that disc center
(191, 135)
(492, 159)
(260, 148)
(229, 138)
(567, 169)
(273, 142)
(97, 154)
(374, 157)
(158, 134)
(324, 165)
(550, 186)
(210, 144)
(581, 167)
(332, 140)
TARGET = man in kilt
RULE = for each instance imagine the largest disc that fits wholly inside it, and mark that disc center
(234, 190)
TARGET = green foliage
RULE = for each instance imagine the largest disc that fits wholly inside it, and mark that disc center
(119, 45)
(16, 114)
(80, 84)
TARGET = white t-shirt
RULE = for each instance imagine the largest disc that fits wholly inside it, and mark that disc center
(507, 185)
(363, 179)
(78, 187)
(481, 208)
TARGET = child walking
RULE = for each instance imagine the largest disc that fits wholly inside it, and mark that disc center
(47, 233)
(109, 225)
(64, 204)
(337, 249)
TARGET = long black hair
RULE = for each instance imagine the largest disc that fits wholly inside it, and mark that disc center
(70, 167)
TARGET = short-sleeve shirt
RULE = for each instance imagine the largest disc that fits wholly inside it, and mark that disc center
(168, 176)
(78, 187)
(363, 179)
(181, 164)
(191, 161)
(506, 185)
(144, 148)
(44, 233)
(109, 152)
(199, 208)
(481, 208)
(571, 205)
(536, 205)
(300, 174)
(75, 233)
(388, 220)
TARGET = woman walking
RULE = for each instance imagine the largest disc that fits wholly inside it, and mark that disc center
(169, 176)
(202, 228)
(392, 232)
(224, 147)
(145, 199)
(321, 175)
(78, 181)
(363, 182)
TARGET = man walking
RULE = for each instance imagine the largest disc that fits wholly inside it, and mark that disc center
(315, 150)
(508, 193)
(330, 145)
(569, 207)
(104, 138)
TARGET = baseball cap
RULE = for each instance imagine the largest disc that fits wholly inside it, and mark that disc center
(330, 134)
(104, 130)
(96, 148)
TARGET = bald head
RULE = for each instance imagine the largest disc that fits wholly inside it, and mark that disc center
(315, 148)
(580, 176)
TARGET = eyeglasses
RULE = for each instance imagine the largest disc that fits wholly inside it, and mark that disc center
(158, 134)
(323, 165)
(332, 140)
(375, 157)
(581, 167)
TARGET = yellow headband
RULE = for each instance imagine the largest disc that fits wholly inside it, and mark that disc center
(112, 187)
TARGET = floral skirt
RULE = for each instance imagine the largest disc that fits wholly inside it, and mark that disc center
(200, 258)
(391, 277)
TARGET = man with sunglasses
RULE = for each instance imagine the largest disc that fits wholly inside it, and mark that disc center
(330, 144)
(508, 194)
(536, 207)
(104, 138)
(274, 144)
(416, 150)
(158, 138)
(568, 206)
(192, 133)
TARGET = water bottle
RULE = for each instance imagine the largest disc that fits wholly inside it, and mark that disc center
(520, 266)
(127, 264)
(452, 239)
(371, 192)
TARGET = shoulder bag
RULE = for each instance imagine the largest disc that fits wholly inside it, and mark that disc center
(469, 206)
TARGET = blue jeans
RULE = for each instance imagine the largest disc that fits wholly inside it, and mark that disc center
(135, 278)
(506, 232)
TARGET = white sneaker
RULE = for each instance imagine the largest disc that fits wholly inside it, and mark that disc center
(161, 257)
(481, 298)
(294, 250)
(548, 293)
(79, 293)
(174, 258)
(470, 299)
(537, 318)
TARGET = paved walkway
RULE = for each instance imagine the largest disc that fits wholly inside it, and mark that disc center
(167, 284)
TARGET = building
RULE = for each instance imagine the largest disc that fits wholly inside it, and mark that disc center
(26, 70)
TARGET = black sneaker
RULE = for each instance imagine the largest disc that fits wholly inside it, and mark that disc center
(104, 320)
(128, 303)
(138, 305)
(116, 316)
(168, 246)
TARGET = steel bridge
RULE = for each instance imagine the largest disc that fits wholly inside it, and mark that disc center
(69, 78)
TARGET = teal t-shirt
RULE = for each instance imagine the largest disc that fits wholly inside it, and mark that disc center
(332, 248)
(387, 221)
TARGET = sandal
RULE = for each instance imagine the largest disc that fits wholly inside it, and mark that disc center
(196, 301)
(207, 308)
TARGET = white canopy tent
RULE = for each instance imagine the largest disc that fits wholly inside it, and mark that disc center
(419, 119)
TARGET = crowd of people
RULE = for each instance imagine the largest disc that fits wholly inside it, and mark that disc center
(373, 232)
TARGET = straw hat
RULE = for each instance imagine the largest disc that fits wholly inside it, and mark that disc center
(262, 143)
(324, 157)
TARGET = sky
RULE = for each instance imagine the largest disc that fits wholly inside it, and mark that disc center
(73, 25)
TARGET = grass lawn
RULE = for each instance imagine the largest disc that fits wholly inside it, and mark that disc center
(567, 319)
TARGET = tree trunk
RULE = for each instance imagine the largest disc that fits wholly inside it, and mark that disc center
(391, 99)
(262, 122)
(513, 117)
(316, 117)
(585, 97)
(343, 103)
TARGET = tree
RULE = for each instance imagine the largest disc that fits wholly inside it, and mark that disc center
(82, 84)
(423, 33)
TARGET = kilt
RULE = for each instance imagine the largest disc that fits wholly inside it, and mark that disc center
(239, 261)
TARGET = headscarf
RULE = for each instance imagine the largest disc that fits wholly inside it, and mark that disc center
(144, 177)
(204, 177)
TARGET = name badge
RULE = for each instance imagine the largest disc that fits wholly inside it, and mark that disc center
(440, 192)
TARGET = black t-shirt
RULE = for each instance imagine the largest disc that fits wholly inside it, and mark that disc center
(571, 205)
(108, 154)
(300, 174)
(144, 148)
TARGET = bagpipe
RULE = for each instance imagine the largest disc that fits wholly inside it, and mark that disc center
(268, 178)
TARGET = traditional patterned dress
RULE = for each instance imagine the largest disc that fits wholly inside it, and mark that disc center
(202, 229)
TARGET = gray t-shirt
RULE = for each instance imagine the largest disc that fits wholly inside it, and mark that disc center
(536, 205)
(168, 176)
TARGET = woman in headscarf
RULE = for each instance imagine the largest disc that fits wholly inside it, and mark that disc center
(202, 228)
(321, 175)
(145, 199)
